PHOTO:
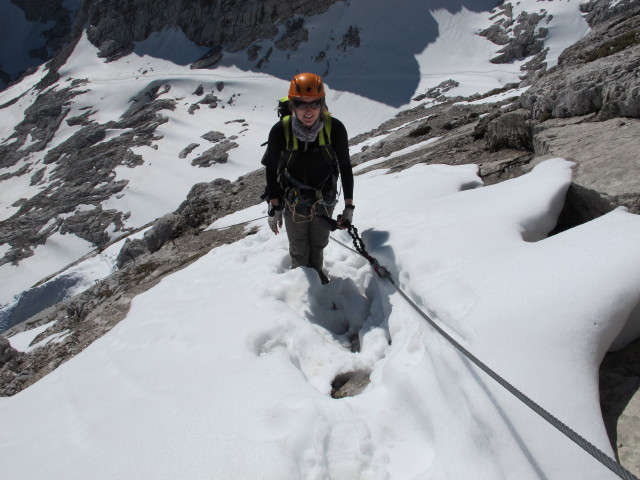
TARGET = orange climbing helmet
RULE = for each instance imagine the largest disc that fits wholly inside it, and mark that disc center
(306, 85)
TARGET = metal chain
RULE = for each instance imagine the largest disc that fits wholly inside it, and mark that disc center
(381, 271)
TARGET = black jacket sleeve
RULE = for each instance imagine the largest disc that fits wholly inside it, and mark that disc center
(340, 143)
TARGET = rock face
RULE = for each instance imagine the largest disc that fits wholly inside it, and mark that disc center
(115, 25)
(57, 20)
(607, 173)
(82, 172)
(586, 109)
(599, 74)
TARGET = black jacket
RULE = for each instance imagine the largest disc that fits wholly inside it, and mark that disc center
(309, 166)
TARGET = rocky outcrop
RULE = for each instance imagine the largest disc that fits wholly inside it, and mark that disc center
(599, 11)
(7, 352)
(607, 172)
(520, 37)
(81, 171)
(510, 130)
(115, 25)
(585, 109)
(596, 75)
(205, 203)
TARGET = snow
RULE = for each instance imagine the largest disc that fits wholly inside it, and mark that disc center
(224, 369)
(413, 148)
(57, 253)
(233, 357)
(23, 341)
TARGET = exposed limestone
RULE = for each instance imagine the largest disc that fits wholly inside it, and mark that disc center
(511, 130)
(188, 149)
(81, 170)
(216, 154)
(295, 34)
(7, 352)
(115, 25)
(607, 172)
(524, 39)
(599, 74)
(437, 92)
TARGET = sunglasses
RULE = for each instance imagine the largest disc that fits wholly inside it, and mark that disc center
(315, 105)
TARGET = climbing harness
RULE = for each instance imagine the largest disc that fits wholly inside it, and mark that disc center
(298, 195)
(583, 443)
(295, 205)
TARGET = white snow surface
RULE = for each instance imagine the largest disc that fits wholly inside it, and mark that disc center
(224, 369)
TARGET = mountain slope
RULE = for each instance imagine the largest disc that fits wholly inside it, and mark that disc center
(114, 145)
(194, 353)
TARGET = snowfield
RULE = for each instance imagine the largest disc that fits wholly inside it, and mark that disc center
(233, 357)
(224, 370)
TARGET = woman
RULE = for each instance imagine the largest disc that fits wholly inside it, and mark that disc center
(305, 153)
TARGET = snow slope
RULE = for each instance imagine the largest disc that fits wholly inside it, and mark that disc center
(232, 358)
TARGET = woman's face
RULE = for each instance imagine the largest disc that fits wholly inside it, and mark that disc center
(307, 109)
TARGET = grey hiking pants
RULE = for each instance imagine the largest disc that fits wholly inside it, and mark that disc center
(307, 239)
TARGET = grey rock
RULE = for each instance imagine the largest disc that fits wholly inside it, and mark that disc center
(438, 91)
(7, 352)
(131, 250)
(214, 137)
(161, 232)
(599, 11)
(511, 130)
(591, 79)
(217, 154)
(607, 172)
(350, 384)
(115, 25)
(188, 149)
(520, 38)
(525, 41)
(294, 35)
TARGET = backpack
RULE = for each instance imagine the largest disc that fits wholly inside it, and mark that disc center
(284, 107)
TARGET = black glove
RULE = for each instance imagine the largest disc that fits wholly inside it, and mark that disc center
(275, 218)
(346, 218)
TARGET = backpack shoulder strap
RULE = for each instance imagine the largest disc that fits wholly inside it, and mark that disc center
(290, 139)
(325, 133)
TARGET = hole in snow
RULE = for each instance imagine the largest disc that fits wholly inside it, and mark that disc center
(349, 384)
